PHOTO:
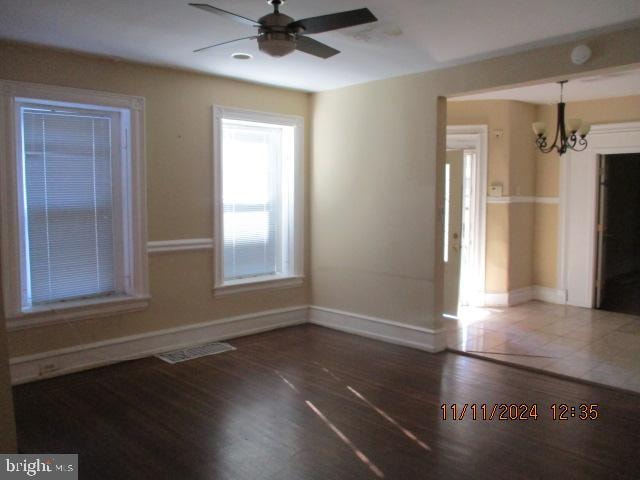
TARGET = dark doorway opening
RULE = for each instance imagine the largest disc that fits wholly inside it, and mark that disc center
(619, 234)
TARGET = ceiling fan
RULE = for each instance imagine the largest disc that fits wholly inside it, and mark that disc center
(279, 35)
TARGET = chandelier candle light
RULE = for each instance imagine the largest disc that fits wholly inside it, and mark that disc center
(575, 126)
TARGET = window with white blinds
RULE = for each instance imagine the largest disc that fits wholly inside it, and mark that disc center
(257, 166)
(70, 159)
(252, 198)
(73, 210)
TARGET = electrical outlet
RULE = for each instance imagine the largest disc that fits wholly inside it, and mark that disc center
(47, 368)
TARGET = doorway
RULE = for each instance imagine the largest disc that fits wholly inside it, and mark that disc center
(579, 237)
(543, 324)
(464, 218)
(618, 271)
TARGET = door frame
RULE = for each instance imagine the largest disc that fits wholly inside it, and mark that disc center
(578, 206)
(460, 137)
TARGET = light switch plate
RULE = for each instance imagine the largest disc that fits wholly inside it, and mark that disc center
(495, 190)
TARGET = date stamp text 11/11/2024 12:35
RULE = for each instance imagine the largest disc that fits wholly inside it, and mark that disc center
(516, 411)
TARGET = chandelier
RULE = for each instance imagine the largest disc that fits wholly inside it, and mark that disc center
(575, 126)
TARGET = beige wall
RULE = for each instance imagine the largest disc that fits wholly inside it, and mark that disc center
(511, 162)
(497, 248)
(522, 149)
(608, 110)
(545, 245)
(371, 247)
(521, 225)
(179, 186)
(377, 178)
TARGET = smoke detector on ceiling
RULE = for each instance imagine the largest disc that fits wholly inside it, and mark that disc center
(581, 54)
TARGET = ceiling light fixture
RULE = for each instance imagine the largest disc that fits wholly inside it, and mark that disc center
(277, 44)
(575, 126)
(241, 56)
(279, 34)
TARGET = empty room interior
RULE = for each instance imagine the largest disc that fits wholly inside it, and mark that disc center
(319, 240)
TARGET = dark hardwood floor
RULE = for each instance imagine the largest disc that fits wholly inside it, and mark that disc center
(311, 403)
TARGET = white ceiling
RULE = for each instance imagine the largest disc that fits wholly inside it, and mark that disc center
(615, 84)
(411, 35)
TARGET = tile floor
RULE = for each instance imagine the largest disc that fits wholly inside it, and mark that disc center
(594, 345)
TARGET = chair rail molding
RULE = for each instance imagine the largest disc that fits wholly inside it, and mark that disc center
(187, 244)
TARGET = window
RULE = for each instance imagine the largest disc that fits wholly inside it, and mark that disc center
(258, 221)
(447, 199)
(74, 243)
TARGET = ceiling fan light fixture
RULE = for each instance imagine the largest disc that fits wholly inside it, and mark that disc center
(279, 34)
(277, 44)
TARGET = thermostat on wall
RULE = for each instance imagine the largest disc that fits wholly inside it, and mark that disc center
(495, 190)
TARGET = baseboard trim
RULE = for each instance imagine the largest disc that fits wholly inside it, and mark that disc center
(500, 299)
(520, 295)
(83, 357)
(549, 295)
(508, 299)
(519, 199)
(68, 360)
(380, 329)
(525, 294)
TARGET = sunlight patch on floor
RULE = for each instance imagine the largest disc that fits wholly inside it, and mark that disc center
(408, 433)
(377, 472)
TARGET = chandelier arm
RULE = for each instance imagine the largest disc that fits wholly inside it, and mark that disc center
(541, 143)
(580, 145)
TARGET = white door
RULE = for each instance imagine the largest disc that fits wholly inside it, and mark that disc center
(602, 215)
(453, 230)
(581, 227)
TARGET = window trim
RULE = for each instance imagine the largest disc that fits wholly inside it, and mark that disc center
(296, 277)
(134, 208)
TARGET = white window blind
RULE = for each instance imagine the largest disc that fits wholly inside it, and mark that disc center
(68, 195)
(255, 198)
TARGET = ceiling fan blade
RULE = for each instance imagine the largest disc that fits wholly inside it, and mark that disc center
(334, 21)
(224, 43)
(314, 47)
(224, 13)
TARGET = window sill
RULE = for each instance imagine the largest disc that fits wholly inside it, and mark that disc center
(256, 284)
(76, 310)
